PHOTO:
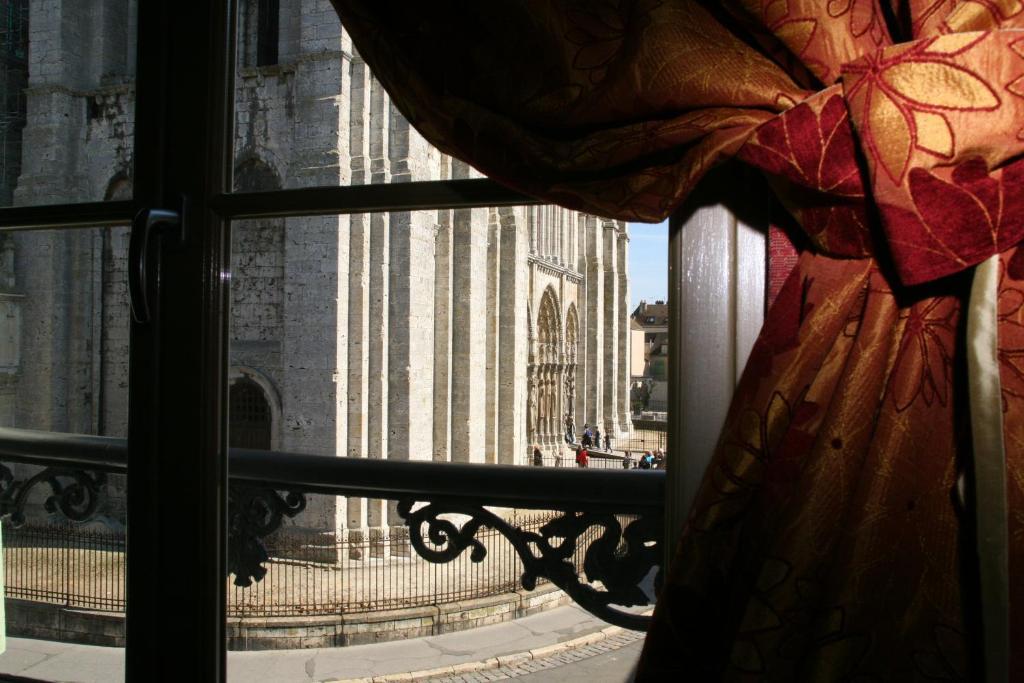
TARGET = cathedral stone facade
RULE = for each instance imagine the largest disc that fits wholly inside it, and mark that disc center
(455, 335)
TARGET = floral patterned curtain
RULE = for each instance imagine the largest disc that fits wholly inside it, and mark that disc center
(828, 540)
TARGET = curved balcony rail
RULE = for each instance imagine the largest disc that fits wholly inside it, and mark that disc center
(269, 486)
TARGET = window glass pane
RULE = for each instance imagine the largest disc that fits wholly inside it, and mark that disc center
(64, 369)
(67, 101)
(309, 113)
(479, 336)
(65, 323)
(469, 335)
(455, 335)
(648, 348)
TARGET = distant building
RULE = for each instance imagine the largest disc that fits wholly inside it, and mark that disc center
(649, 362)
(637, 352)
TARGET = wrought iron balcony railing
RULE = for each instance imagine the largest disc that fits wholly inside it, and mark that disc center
(268, 486)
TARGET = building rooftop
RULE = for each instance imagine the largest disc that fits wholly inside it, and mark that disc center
(651, 314)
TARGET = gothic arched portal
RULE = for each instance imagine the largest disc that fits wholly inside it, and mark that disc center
(546, 376)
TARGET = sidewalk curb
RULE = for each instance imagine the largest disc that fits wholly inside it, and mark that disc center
(492, 662)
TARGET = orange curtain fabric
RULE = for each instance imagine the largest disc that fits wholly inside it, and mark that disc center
(828, 540)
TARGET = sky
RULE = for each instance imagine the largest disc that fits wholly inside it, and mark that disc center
(648, 262)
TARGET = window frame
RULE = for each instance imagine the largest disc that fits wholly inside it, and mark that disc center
(178, 476)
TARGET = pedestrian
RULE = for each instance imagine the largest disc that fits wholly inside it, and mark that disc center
(538, 457)
(570, 430)
(597, 437)
(627, 461)
(587, 436)
(607, 441)
(581, 458)
(645, 461)
(657, 461)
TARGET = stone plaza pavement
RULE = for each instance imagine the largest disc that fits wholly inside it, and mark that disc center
(564, 644)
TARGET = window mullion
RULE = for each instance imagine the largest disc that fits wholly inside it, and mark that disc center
(177, 453)
(349, 199)
(64, 216)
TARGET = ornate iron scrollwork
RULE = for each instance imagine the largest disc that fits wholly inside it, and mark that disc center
(254, 513)
(620, 559)
(74, 493)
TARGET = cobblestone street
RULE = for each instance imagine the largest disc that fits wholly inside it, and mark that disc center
(609, 661)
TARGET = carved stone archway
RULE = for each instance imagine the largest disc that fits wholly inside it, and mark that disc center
(545, 379)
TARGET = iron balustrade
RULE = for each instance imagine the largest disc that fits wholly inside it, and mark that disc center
(81, 568)
(616, 513)
(595, 460)
(65, 566)
(644, 435)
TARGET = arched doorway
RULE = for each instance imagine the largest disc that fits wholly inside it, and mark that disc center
(249, 416)
(545, 376)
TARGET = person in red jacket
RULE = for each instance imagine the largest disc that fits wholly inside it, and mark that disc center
(581, 457)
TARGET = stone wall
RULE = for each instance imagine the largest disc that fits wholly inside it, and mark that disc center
(31, 619)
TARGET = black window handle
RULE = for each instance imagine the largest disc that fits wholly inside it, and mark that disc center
(145, 223)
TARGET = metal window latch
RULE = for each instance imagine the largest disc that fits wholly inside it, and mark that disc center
(166, 223)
